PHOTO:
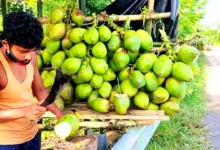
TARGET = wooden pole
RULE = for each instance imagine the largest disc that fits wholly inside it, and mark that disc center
(86, 113)
(119, 18)
(43, 20)
(149, 23)
(112, 123)
(95, 115)
(39, 8)
(115, 123)
(82, 5)
(126, 117)
(151, 5)
(138, 112)
(4, 8)
(135, 112)
(158, 49)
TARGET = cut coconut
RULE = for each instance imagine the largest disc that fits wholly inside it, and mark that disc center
(67, 126)
(63, 130)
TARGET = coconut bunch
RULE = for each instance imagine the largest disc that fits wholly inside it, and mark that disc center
(112, 69)
(55, 43)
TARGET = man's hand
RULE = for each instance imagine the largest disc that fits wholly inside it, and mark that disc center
(39, 91)
(55, 110)
(34, 111)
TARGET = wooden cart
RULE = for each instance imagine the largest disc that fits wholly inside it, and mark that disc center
(142, 123)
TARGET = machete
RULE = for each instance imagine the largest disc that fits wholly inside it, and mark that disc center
(60, 79)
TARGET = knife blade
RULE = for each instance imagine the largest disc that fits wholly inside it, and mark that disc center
(60, 79)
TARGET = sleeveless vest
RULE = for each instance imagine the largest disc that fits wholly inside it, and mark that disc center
(17, 94)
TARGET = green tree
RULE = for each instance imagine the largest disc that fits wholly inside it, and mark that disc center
(49, 5)
(19, 6)
(211, 35)
(191, 12)
(94, 6)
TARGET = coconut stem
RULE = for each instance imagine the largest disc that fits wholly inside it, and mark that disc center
(94, 20)
(110, 22)
(69, 10)
(133, 68)
(127, 24)
(119, 86)
(167, 43)
(144, 12)
(116, 27)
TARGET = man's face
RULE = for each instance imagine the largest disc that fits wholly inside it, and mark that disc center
(23, 55)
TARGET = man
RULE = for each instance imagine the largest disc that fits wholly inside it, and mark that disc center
(19, 81)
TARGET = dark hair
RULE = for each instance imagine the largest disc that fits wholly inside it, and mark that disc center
(22, 29)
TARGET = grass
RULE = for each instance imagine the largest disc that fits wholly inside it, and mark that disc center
(185, 130)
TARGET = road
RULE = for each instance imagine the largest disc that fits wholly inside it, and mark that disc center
(212, 119)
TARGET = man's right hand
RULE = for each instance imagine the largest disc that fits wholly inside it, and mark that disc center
(34, 111)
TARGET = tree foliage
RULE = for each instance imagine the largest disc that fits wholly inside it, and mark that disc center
(18, 6)
(210, 34)
(49, 5)
(191, 12)
(93, 6)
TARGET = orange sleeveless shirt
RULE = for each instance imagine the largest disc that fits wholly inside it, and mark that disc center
(15, 95)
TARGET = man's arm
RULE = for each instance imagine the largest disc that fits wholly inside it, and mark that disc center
(12, 114)
(32, 112)
(39, 90)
